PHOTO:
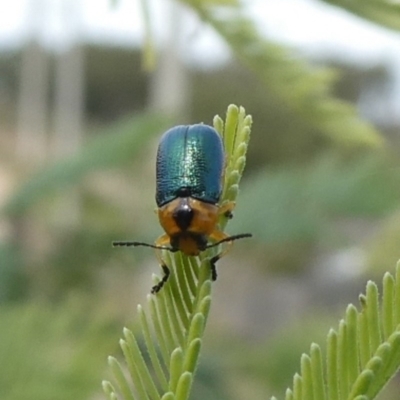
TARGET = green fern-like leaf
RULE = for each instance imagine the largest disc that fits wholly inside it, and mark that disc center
(362, 354)
(173, 323)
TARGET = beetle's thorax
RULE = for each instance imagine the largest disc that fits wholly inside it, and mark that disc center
(188, 222)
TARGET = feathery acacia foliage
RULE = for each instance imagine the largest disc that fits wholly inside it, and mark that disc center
(382, 12)
(173, 325)
(362, 354)
(305, 90)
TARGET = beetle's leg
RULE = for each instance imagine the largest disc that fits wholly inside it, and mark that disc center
(156, 288)
(214, 260)
(217, 236)
(163, 240)
(226, 209)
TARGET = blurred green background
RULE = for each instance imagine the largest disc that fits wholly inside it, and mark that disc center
(80, 116)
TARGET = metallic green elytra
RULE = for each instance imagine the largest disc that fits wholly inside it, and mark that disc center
(190, 162)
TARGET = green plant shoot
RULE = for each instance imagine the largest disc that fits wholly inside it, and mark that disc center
(173, 323)
(362, 355)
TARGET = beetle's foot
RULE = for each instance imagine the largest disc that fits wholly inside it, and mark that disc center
(156, 288)
(213, 261)
(228, 214)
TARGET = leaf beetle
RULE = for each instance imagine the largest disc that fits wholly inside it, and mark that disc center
(189, 177)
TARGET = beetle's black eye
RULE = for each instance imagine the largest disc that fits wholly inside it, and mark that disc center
(183, 216)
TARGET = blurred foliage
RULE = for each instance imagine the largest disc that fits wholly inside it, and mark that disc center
(74, 262)
(52, 352)
(278, 357)
(304, 89)
(282, 137)
(210, 382)
(382, 12)
(149, 51)
(117, 145)
(14, 282)
(270, 117)
(115, 82)
(299, 205)
(9, 63)
(383, 248)
(8, 87)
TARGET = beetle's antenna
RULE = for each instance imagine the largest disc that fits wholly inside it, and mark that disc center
(230, 239)
(128, 244)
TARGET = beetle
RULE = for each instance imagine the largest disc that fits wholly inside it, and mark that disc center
(189, 176)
